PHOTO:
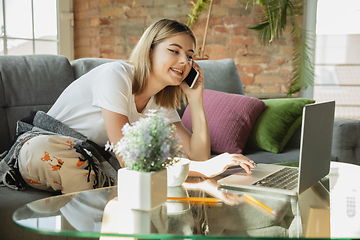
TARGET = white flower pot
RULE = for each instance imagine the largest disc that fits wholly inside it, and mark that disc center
(142, 190)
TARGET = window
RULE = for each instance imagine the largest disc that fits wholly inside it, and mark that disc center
(337, 54)
(34, 27)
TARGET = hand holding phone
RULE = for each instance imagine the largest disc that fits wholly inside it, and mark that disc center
(192, 77)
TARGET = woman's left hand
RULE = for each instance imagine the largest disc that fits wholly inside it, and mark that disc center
(219, 164)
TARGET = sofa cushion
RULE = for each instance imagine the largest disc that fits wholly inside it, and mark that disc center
(277, 123)
(230, 119)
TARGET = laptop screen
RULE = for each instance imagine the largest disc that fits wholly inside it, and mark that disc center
(316, 143)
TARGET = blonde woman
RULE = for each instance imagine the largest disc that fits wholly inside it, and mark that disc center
(101, 102)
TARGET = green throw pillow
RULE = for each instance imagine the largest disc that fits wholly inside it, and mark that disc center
(277, 123)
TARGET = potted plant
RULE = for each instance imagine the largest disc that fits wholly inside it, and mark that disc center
(148, 147)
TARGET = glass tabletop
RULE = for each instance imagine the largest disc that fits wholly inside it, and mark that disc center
(98, 213)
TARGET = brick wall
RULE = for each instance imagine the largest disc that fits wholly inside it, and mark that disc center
(111, 28)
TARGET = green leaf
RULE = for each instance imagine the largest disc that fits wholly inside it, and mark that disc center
(198, 7)
(303, 68)
(259, 27)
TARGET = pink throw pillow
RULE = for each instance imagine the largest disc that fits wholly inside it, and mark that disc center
(230, 117)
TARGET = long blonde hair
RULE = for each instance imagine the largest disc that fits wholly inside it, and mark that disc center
(170, 96)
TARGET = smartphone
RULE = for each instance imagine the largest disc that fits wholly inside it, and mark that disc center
(192, 77)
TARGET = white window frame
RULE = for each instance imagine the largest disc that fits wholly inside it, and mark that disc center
(65, 27)
(309, 24)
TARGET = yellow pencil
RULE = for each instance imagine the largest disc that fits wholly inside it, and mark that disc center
(254, 200)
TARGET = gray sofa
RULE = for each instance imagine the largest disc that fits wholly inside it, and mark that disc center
(34, 82)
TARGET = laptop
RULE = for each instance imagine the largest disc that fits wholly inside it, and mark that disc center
(314, 159)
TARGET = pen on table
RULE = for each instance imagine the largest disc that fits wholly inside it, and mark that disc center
(254, 200)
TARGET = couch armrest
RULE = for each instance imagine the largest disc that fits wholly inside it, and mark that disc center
(346, 141)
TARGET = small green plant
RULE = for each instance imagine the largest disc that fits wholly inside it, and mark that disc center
(198, 7)
(150, 144)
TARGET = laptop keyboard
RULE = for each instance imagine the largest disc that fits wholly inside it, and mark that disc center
(286, 178)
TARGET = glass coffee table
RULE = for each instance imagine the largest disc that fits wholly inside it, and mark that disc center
(98, 213)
